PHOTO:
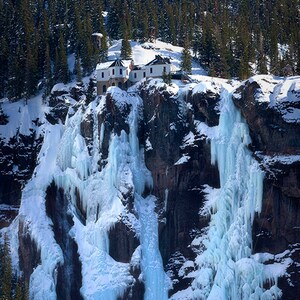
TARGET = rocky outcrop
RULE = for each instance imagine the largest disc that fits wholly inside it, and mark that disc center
(17, 162)
(269, 132)
(69, 279)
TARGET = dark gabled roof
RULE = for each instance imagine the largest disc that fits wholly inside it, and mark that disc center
(117, 63)
(136, 67)
(159, 60)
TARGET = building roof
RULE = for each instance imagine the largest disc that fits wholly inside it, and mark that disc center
(137, 67)
(159, 60)
(113, 63)
(117, 63)
(98, 34)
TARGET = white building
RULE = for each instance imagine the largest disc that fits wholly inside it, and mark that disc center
(112, 73)
(123, 73)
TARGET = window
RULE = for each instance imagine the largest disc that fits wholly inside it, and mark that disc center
(134, 75)
(144, 74)
(102, 74)
(104, 89)
(121, 71)
(113, 84)
(151, 71)
(113, 71)
(165, 69)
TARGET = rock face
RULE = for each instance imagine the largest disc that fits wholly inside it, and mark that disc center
(69, 279)
(17, 162)
(178, 187)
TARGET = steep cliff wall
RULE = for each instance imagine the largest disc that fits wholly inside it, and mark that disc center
(98, 200)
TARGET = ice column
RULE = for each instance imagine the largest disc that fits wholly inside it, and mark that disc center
(226, 269)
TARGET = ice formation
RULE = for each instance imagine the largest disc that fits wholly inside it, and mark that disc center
(65, 159)
(225, 266)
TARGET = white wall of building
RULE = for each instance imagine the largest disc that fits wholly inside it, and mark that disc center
(157, 70)
(137, 75)
(118, 72)
(102, 75)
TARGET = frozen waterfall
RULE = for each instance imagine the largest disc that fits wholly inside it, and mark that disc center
(226, 268)
(97, 201)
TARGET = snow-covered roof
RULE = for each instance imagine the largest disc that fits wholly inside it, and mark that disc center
(113, 63)
(97, 34)
(159, 60)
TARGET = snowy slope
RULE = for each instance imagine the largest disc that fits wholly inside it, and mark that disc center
(145, 52)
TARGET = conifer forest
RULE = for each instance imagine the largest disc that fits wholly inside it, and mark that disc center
(226, 36)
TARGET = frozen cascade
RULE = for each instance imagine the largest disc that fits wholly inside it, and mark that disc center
(225, 268)
(33, 214)
(97, 200)
(97, 196)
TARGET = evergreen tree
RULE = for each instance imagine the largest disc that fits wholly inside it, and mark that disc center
(186, 59)
(167, 78)
(6, 271)
(126, 48)
(91, 91)
(47, 80)
(77, 69)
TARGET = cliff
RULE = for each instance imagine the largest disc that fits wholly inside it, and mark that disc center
(150, 159)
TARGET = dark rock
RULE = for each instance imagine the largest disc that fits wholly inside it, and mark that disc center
(29, 254)
(17, 162)
(114, 120)
(165, 126)
(122, 242)
(69, 280)
(268, 130)
(205, 107)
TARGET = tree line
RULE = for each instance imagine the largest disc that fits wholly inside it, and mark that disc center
(36, 37)
(230, 38)
(12, 287)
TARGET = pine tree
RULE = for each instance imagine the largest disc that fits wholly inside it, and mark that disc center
(6, 272)
(125, 47)
(186, 59)
(167, 78)
(47, 80)
(91, 92)
(77, 69)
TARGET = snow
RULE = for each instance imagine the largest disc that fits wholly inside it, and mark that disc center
(182, 160)
(21, 116)
(280, 93)
(282, 159)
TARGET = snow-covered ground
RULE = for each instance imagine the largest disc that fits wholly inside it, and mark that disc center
(145, 52)
(281, 93)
